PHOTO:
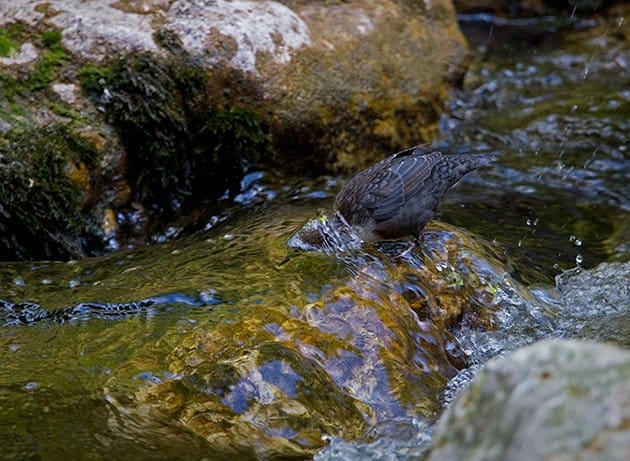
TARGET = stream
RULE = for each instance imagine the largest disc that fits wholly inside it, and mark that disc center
(222, 343)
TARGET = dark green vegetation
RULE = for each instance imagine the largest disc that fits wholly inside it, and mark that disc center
(185, 135)
(41, 214)
(40, 206)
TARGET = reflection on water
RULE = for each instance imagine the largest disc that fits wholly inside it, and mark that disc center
(208, 346)
(248, 349)
(558, 120)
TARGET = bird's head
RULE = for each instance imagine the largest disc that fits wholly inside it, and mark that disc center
(312, 234)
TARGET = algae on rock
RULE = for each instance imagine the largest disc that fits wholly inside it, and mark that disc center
(184, 139)
(41, 213)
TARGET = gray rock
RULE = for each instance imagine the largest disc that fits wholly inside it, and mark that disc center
(91, 30)
(67, 92)
(603, 289)
(240, 31)
(596, 303)
(555, 400)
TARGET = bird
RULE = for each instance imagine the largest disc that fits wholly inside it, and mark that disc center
(394, 198)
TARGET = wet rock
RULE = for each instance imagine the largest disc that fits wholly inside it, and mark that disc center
(367, 350)
(596, 302)
(553, 400)
(591, 304)
(603, 289)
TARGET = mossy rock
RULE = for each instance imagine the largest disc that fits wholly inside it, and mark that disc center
(39, 75)
(342, 82)
(185, 140)
(41, 215)
(196, 102)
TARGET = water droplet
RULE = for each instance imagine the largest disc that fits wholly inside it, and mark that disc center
(572, 238)
(579, 259)
(112, 244)
(578, 243)
(19, 281)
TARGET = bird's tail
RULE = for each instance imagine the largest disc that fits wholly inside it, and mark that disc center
(456, 166)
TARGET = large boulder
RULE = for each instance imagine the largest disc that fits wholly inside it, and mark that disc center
(339, 79)
(554, 400)
(197, 90)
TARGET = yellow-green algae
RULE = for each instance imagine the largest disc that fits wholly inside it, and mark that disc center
(355, 356)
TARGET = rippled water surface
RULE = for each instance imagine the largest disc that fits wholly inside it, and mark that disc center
(215, 344)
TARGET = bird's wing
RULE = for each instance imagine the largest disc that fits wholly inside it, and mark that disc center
(403, 180)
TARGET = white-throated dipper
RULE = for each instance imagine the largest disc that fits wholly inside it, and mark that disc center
(391, 199)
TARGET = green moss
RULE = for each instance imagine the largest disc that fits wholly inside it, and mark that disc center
(184, 138)
(93, 78)
(6, 45)
(48, 67)
(11, 117)
(10, 37)
(17, 109)
(51, 39)
(46, 70)
(40, 207)
(63, 111)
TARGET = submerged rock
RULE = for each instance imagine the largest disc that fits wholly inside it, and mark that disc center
(371, 347)
(590, 304)
(553, 400)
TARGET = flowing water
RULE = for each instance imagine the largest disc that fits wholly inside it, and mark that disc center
(221, 343)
